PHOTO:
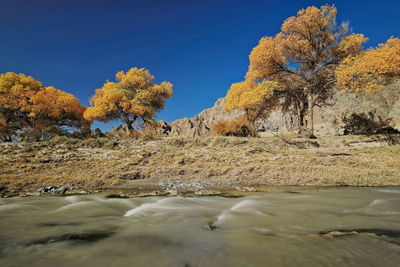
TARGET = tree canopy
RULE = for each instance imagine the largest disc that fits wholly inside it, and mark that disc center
(133, 95)
(245, 95)
(372, 69)
(27, 106)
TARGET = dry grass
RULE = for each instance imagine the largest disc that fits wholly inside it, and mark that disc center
(238, 127)
(281, 160)
(146, 133)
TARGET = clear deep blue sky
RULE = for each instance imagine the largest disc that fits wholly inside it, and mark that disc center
(200, 46)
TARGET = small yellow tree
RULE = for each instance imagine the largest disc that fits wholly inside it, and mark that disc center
(134, 95)
(27, 106)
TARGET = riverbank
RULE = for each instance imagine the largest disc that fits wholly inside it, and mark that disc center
(212, 165)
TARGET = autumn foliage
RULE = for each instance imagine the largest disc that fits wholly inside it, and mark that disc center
(133, 95)
(28, 108)
(301, 60)
(239, 127)
(256, 99)
(372, 69)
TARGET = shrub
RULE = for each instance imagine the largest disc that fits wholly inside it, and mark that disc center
(239, 127)
(367, 124)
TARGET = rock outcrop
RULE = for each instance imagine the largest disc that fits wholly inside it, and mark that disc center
(200, 125)
(330, 119)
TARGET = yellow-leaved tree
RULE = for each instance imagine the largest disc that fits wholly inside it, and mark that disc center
(26, 106)
(372, 69)
(251, 98)
(133, 95)
(302, 59)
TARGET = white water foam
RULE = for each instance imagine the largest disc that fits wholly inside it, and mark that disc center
(72, 205)
(247, 205)
(72, 199)
(151, 206)
(263, 230)
(375, 207)
(10, 206)
(389, 191)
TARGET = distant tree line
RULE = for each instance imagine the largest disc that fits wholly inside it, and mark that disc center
(31, 111)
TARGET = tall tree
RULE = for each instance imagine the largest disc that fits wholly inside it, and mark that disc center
(27, 106)
(303, 58)
(134, 95)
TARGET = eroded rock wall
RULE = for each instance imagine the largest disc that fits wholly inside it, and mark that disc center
(328, 120)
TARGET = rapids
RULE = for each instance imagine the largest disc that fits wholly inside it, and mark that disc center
(329, 227)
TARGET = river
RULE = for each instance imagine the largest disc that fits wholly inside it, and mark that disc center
(329, 227)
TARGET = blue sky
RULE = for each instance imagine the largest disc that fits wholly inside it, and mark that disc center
(200, 46)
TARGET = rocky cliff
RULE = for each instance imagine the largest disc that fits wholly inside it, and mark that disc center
(330, 119)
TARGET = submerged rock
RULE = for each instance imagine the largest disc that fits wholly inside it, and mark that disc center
(392, 236)
(209, 225)
(76, 237)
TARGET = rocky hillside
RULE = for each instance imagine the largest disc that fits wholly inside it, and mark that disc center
(344, 109)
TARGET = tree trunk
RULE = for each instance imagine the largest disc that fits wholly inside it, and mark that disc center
(252, 123)
(301, 117)
(311, 113)
(128, 123)
(128, 127)
(253, 129)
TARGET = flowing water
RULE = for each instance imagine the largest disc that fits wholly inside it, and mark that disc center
(335, 227)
